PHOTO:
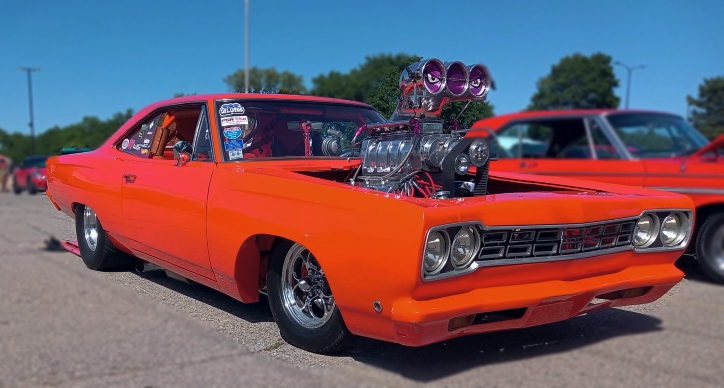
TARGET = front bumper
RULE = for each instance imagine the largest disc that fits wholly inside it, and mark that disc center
(423, 322)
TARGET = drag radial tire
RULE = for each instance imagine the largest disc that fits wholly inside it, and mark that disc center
(301, 300)
(710, 247)
(96, 249)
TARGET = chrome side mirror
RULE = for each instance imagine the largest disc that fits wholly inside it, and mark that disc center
(182, 152)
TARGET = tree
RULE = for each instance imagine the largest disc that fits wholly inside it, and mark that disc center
(90, 132)
(267, 80)
(387, 93)
(360, 82)
(577, 82)
(707, 114)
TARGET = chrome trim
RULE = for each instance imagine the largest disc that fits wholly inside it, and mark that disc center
(685, 190)
(657, 241)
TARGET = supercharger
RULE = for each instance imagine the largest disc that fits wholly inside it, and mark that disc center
(413, 154)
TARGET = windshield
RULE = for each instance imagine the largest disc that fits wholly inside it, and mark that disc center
(652, 135)
(273, 128)
(35, 162)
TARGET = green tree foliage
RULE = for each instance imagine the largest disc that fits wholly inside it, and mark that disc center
(267, 80)
(360, 82)
(90, 132)
(577, 82)
(387, 93)
(707, 114)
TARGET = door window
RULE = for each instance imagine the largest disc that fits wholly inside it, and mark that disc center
(155, 138)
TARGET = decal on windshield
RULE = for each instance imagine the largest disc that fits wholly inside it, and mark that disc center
(125, 144)
(234, 120)
(232, 133)
(231, 108)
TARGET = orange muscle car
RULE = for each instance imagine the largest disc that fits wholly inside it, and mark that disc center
(640, 148)
(355, 225)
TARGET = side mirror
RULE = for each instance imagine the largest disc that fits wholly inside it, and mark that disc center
(182, 152)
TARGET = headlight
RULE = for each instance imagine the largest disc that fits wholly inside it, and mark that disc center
(436, 252)
(674, 229)
(464, 247)
(645, 231)
(479, 152)
(462, 164)
(37, 174)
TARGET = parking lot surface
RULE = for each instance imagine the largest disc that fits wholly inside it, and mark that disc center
(64, 325)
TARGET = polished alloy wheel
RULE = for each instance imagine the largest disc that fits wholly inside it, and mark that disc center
(716, 248)
(306, 296)
(90, 228)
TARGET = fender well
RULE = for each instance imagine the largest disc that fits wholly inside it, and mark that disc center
(249, 268)
(704, 212)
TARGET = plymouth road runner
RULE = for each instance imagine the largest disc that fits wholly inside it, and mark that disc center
(352, 224)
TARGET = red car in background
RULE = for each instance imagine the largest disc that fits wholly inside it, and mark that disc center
(640, 148)
(30, 175)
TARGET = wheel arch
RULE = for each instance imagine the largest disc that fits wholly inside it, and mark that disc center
(702, 213)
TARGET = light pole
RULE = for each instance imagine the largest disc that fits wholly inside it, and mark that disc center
(246, 46)
(29, 71)
(628, 78)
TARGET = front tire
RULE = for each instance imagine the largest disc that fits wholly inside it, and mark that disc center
(301, 301)
(96, 249)
(32, 190)
(16, 189)
(710, 247)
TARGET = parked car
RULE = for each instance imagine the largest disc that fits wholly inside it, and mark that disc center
(30, 175)
(639, 148)
(254, 194)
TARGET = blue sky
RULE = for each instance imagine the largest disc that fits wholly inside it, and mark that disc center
(101, 57)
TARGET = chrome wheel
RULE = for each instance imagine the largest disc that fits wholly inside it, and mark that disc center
(90, 228)
(716, 248)
(306, 296)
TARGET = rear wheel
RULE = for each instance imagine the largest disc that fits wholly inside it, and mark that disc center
(16, 189)
(96, 249)
(710, 247)
(301, 301)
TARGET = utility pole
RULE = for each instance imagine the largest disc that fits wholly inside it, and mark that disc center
(29, 71)
(246, 46)
(630, 69)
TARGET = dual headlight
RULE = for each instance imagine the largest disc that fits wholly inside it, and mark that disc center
(662, 229)
(453, 253)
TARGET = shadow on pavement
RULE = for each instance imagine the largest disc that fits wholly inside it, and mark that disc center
(692, 271)
(253, 312)
(440, 360)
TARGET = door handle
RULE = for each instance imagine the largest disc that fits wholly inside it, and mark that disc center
(130, 178)
(528, 164)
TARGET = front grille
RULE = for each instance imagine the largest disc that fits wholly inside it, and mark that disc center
(517, 245)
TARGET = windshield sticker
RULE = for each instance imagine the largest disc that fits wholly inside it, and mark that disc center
(236, 154)
(125, 143)
(231, 108)
(234, 120)
(234, 144)
(232, 133)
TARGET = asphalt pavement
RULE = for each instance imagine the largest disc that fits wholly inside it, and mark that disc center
(62, 324)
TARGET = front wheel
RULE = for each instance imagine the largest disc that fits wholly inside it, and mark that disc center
(301, 301)
(32, 190)
(710, 247)
(96, 249)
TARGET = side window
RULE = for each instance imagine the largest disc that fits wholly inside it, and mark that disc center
(524, 140)
(138, 143)
(604, 149)
(155, 138)
(202, 140)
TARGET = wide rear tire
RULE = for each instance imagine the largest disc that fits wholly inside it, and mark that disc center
(710, 247)
(96, 249)
(301, 301)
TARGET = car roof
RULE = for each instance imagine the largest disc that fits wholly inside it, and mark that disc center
(497, 121)
(259, 96)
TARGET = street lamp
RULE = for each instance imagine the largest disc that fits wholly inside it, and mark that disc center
(246, 46)
(628, 79)
(29, 71)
